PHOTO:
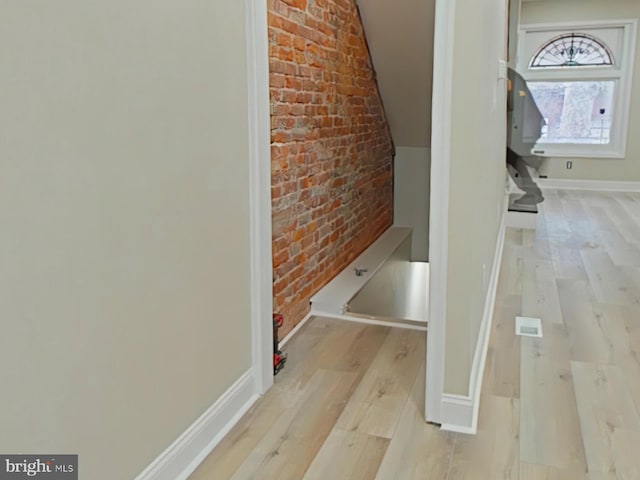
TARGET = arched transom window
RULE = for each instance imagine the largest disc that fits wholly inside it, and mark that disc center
(579, 75)
(573, 50)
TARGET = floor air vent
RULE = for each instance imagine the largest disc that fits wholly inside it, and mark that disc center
(529, 327)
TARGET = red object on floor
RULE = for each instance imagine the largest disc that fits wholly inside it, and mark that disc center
(279, 358)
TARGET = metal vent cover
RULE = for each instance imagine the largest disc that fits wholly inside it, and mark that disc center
(529, 327)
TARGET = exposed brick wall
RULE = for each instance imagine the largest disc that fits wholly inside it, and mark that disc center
(331, 152)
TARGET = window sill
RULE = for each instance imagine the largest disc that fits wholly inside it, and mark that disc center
(556, 153)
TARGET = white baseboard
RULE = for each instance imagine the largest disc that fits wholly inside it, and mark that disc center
(182, 457)
(294, 330)
(524, 220)
(373, 321)
(594, 185)
(460, 412)
(457, 412)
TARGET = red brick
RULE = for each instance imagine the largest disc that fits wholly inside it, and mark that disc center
(301, 4)
(298, 235)
(299, 43)
(328, 132)
(280, 257)
(284, 40)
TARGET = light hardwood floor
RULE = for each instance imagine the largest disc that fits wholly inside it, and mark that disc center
(348, 405)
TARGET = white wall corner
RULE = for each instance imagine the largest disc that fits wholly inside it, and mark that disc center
(459, 412)
(261, 288)
(444, 38)
(184, 455)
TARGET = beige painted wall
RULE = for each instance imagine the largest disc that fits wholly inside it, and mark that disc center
(514, 23)
(627, 169)
(411, 185)
(400, 37)
(477, 177)
(124, 274)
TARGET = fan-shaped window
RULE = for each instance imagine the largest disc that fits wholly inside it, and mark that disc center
(580, 78)
(573, 50)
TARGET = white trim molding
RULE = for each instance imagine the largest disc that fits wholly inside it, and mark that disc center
(372, 321)
(457, 412)
(295, 330)
(261, 293)
(349, 318)
(439, 208)
(460, 412)
(593, 185)
(184, 455)
(525, 220)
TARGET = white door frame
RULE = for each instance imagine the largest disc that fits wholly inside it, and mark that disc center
(439, 207)
(260, 201)
(261, 294)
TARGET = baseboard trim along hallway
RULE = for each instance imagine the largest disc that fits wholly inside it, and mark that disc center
(184, 455)
(460, 412)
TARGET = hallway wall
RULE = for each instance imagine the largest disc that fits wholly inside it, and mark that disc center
(124, 205)
(332, 165)
(477, 177)
(411, 202)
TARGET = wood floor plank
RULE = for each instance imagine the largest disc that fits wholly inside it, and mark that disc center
(539, 291)
(588, 332)
(624, 226)
(626, 445)
(503, 325)
(605, 406)
(554, 216)
(349, 347)
(348, 455)
(502, 372)
(513, 236)
(376, 405)
(606, 280)
(291, 444)
(494, 451)
(567, 263)
(333, 345)
(631, 277)
(532, 471)
(350, 402)
(584, 232)
(550, 428)
(566, 235)
(511, 269)
(631, 209)
(417, 450)
(617, 240)
(535, 243)
(241, 440)
(624, 330)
